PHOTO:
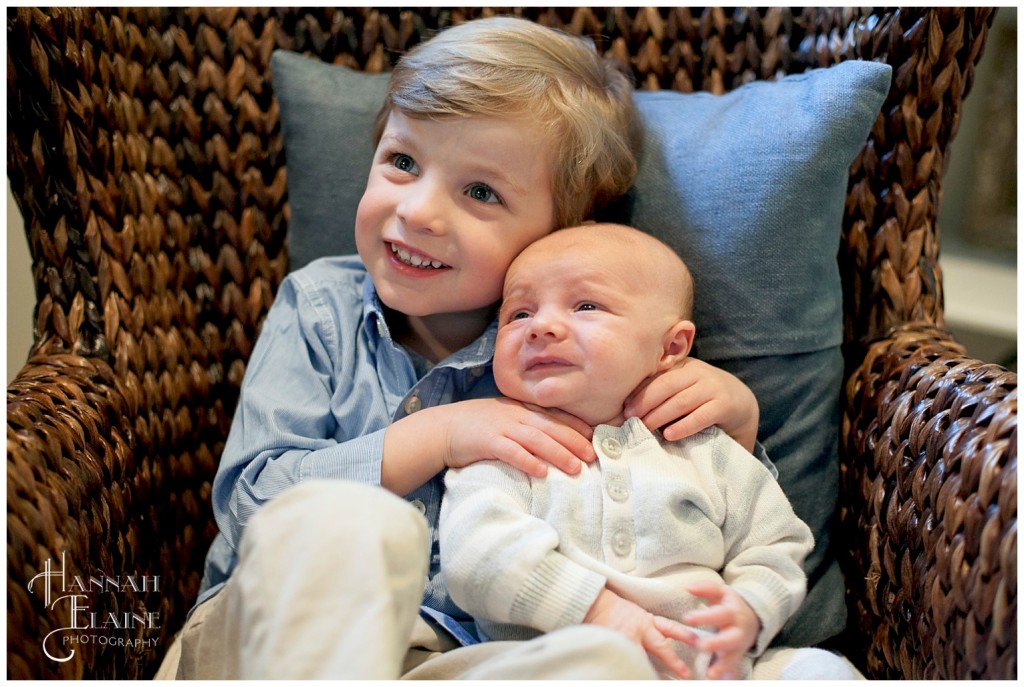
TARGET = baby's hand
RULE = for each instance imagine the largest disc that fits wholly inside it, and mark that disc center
(738, 627)
(649, 631)
(524, 436)
(693, 396)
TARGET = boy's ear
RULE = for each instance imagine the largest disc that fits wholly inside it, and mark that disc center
(677, 344)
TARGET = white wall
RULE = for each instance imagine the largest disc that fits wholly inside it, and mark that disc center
(20, 291)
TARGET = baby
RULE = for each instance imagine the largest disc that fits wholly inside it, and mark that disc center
(655, 538)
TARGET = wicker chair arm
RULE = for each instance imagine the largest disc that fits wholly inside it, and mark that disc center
(928, 505)
(78, 502)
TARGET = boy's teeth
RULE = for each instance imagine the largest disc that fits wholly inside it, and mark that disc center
(414, 260)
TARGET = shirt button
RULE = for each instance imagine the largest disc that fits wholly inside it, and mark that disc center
(477, 371)
(622, 543)
(618, 491)
(612, 447)
(419, 505)
(412, 404)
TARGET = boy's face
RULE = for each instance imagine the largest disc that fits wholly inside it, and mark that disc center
(448, 204)
(580, 328)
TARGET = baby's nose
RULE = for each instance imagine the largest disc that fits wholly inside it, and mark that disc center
(546, 325)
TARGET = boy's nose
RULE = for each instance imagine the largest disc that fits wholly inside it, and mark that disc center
(422, 208)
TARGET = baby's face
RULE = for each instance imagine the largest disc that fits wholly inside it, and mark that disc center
(580, 329)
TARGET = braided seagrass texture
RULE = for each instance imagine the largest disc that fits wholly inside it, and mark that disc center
(145, 152)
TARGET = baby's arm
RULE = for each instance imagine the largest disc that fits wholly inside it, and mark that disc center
(765, 542)
(693, 396)
(501, 563)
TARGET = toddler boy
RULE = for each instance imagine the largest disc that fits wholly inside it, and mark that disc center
(374, 371)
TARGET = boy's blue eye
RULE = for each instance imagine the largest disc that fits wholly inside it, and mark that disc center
(482, 193)
(403, 162)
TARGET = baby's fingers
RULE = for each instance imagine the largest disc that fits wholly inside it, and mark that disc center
(729, 640)
(725, 667)
(716, 616)
(657, 646)
(670, 628)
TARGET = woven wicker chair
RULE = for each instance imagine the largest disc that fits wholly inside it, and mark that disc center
(146, 155)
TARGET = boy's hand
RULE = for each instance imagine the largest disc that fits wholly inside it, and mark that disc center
(737, 625)
(651, 632)
(693, 396)
(526, 437)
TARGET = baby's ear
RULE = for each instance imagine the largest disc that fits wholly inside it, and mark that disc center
(677, 344)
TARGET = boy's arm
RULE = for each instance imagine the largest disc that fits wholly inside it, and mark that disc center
(300, 416)
(765, 541)
(284, 428)
(693, 396)
(499, 561)
(454, 435)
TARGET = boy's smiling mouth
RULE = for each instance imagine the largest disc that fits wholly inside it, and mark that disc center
(407, 257)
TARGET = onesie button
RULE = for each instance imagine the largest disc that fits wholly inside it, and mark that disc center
(612, 447)
(418, 505)
(617, 490)
(622, 543)
(412, 404)
(477, 371)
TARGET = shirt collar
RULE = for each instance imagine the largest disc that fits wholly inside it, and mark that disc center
(478, 353)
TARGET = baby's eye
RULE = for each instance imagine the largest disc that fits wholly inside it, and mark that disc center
(512, 316)
(404, 163)
(483, 193)
(587, 307)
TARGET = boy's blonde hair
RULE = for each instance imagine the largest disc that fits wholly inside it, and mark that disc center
(509, 67)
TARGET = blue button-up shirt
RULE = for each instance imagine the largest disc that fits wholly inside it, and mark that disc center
(324, 381)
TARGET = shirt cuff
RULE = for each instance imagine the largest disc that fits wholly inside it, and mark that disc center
(557, 594)
(770, 599)
(358, 460)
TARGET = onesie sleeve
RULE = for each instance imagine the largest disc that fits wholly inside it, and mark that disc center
(499, 562)
(765, 541)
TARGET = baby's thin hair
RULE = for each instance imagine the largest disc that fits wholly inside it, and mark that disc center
(514, 68)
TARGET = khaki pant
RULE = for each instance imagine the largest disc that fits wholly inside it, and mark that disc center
(328, 585)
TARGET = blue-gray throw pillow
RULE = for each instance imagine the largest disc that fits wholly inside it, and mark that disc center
(327, 115)
(749, 187)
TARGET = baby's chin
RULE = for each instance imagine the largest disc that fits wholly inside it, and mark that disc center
(585, 410)
(554, 394)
